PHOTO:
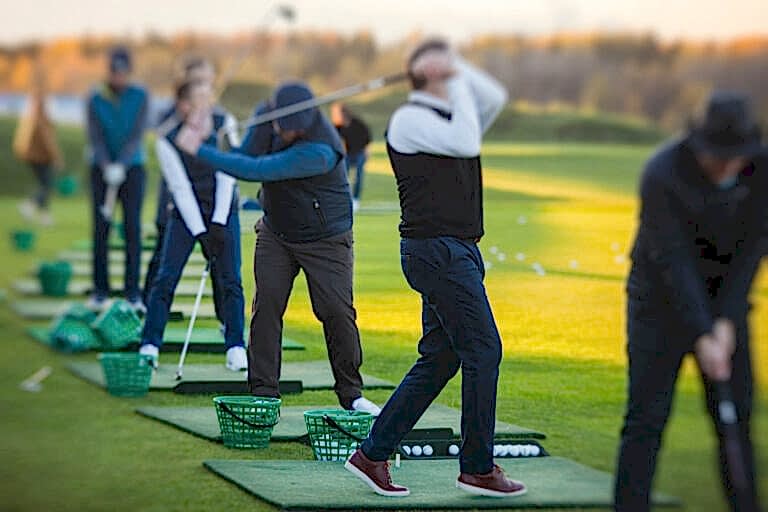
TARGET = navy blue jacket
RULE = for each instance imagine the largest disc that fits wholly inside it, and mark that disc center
(698, 246)
(305, 194)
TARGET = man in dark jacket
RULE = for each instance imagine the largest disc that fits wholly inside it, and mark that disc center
(356, 136)
(703, 231)
(307, 225)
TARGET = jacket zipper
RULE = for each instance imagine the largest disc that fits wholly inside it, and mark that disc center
(318, 211)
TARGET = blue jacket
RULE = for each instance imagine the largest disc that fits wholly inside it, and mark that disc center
(305, 192)
(698, 247)
(116, 124)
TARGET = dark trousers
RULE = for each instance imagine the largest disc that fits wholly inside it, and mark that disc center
(656, 351)
(131, 195)
(177, 246)
(44, 176)
(357, 161)
(327, 265)
(161, 219)
(458, 332)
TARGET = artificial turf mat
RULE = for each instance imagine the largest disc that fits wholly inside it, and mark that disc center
(215, 378)
(46, 309)
(203, 339)
(202, 422)
(116, 256)
(553, 482)
(31, 287)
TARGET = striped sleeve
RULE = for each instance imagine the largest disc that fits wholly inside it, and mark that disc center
(180, 187)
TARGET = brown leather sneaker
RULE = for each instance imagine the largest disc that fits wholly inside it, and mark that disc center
(495, 484)
(375, 474)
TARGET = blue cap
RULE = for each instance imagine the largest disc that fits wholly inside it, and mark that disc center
(291, 93)
(120, 60)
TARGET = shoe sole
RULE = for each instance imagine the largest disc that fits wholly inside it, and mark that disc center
(378, 490)
(481, 491)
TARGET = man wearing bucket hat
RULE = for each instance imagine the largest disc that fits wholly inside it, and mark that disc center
(703, 231)
(307, 225)
(117, 117)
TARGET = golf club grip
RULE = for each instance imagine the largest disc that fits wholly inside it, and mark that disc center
(346, 92)
(728, 420)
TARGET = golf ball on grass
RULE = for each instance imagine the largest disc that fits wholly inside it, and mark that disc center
(501, 256)
(535, 450)
(494, 249)
(416, 451)
(520, 256)
(453, 449)
(514, 450)
(496, 450)
(427, 450)
(406, 449)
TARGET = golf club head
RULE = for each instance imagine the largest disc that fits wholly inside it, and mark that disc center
(179, 374)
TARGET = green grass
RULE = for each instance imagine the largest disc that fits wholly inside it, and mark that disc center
(72, 447)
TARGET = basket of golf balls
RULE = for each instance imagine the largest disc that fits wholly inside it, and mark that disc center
(335, 434)
(449, 449)
(247, 421)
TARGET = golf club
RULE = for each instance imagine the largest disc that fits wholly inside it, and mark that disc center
(346, 92)
(198, 298)
(728, 418)
(108, 207)
(275, 12)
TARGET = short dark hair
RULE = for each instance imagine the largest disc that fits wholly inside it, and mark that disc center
(184, 89)
(418, 82)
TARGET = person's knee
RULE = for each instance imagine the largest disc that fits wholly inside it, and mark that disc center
(334, 311)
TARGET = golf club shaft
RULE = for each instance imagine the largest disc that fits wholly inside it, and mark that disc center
(727, 416)
(195, 308)
(346, 92)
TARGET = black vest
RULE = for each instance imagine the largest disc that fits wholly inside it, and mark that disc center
(439, 195)
(309, 209)
(202, 176)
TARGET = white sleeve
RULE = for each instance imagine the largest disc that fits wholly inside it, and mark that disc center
(179, 186)
(489, 94)
(230, 129)
(416, 129)
(225, 189)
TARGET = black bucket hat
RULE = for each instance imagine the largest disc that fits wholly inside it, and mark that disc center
(728, 128)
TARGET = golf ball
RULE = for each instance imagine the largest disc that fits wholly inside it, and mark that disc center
(522, 220)
(574, 264)
(453, 449)
(416, 451)
(406, 449)
(520, 256)
(494, 249)
(501, 256)
(619, 259)
(488, 265)
(615, 246)
(427, 450)
(496, 450)
(535, 450)
(508, 450)
(514, 450)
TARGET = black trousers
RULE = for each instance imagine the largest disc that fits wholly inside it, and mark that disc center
(656, 350)
(327, 265)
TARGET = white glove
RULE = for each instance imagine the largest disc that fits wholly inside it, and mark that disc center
(113, 174)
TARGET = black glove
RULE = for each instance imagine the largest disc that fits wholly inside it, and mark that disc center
(213, 241)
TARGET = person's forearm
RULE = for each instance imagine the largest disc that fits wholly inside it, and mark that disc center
(292, 163)
(489, 94)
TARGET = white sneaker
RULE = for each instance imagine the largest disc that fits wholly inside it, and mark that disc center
(138, 306)
(365, 405)
(96, 303)
(27, 209)
(237, 359)
(151, 351)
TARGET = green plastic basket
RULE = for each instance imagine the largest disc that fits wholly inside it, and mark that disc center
(71, 331)
(247, 421)
(117, 325)
(54, 278)
(66, 185)
(335, 433)
(126, 374)
(23, 240)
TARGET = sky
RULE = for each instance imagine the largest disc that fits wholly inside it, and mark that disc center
(388, 20)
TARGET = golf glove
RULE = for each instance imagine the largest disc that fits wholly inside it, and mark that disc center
(113, 174)
(213, 241)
